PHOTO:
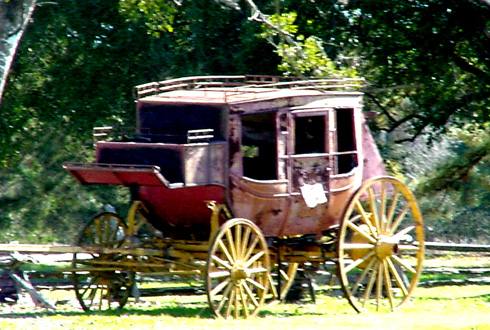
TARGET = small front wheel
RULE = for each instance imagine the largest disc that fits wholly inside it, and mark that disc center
(237, 274)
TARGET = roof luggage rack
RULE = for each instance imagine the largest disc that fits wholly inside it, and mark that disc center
(246, 82)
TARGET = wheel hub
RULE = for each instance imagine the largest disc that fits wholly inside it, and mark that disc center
(238, 274)
(386, 247)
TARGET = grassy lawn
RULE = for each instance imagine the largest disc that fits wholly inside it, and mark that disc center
(443, 307)
(453, 307)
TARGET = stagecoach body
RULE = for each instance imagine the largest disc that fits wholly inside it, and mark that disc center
(237, 171)
(268, 152)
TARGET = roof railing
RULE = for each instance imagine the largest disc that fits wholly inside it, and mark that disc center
(245, 84)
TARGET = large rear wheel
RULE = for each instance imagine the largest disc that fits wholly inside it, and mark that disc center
(237, 274)
(380, 245)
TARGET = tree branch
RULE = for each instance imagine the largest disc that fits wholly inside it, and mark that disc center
(450, 108)
(450, 174)
(260, 17)
(463, 64)
(415, 135)
(383, 109)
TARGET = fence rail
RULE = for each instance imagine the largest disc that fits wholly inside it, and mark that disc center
(440, 246)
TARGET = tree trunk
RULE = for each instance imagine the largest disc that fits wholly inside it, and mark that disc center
(14, 16)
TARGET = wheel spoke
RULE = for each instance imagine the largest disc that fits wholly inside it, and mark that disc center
(389, 289)
(90, 285)
(221, 262)
(374, 209)
(379, 285)
(256, 270)
(250, 294)
(256, 257)
(245, 240)
(255, 283)
(108, 297)
(361, 232)
(362, 276)
(91, 295)
(251, 248)
(398, 236)
(399, 219)
(358, 261)
(272, 286)
(101, 297)
(98, 234)
(397, 277)
(237, 305)
(231, 244)
(106, 232)
(219, 274)
(226, 252)
(231, 301)
(238, 242)
(370, 285)
(225, 297)
(357, 246)
(244, 301)
(404, 264)
(391, 211)
(365, 217)
(382, 211)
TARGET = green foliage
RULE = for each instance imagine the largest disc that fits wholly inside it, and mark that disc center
(205, 37)
(300, 55)
(456, 193)
(158, 14)
(427, 63)
(75, 69)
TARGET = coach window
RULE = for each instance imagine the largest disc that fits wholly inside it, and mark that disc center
(346, 140)
(309, 135)
(259, 146)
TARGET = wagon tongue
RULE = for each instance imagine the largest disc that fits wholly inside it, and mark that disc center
(111, 174)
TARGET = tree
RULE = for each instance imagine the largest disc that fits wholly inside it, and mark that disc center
(428, 61)
(75, 69)
(14, 17)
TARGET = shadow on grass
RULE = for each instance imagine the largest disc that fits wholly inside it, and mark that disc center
(266, 313)
(178, 311)
(174, 311)
(485, 297)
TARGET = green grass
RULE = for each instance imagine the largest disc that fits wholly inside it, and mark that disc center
(465, 307)
(446, 307)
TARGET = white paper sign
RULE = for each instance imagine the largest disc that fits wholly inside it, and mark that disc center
(313, 194)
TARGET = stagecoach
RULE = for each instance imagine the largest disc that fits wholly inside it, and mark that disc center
(241, 180)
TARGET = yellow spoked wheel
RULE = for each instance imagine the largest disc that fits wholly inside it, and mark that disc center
(380, 245)
(237, 274)
(282, 279)
(98, 284)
